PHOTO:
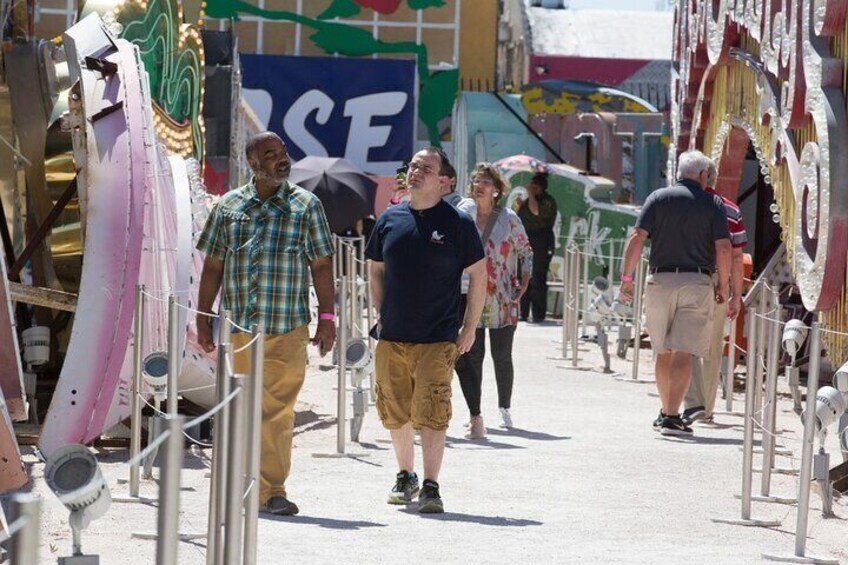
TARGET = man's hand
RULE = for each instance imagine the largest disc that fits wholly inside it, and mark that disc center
(204, 332)
(734, 307)
(325, 336)
(625, 292)
(722, 291)
(465, 340)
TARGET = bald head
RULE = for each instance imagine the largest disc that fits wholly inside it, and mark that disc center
(254, 141)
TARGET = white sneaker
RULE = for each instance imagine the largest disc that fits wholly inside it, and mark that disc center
(506, 418)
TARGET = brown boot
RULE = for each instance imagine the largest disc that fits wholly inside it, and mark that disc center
(477, 430)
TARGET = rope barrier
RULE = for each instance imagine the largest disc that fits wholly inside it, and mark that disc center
(13, 529)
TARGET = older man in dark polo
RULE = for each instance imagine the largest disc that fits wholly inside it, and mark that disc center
(689, 274)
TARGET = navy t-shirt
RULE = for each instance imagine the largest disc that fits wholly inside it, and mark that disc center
(425, 253)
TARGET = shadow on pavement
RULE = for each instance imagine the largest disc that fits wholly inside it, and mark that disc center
(474, 519)
(330, 523)
(452, 442)
(703, 440)
(526, 434)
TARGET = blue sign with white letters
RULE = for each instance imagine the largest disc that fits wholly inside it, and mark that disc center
(359, 109)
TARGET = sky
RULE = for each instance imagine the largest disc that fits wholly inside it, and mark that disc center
(617, 4)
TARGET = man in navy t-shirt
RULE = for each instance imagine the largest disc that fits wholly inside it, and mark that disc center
(418, 251)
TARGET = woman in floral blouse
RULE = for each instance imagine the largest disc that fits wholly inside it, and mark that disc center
(509, 264)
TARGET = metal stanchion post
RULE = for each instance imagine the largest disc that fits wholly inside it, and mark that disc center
(218, 485)
(135, 403)
(169, 494)
(173, 354)
(23, 546)
(585, 295)
(351, 290)
(575, 305)
(731, 367)
(762, 329)
(748, 442)
(566, 309)
(770, 411)
(135, 420)
(369, 312)
(341, 398)
(800, 555)
(233, 530)
(253, 448)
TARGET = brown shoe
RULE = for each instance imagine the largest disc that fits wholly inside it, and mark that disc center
(280, 506)
(477, 430)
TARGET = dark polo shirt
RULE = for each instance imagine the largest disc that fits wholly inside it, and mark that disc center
(683, 222)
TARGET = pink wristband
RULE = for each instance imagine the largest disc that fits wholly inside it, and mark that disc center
(327, 316)
(627, 278)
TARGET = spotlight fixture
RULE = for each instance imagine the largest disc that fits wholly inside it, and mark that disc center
(357, 353)
(72, 473)
(794, 335)
(154, 370)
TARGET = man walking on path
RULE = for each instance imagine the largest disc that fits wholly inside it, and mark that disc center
(418, 251)
(700, 399)
(689, 239)
(259, 241)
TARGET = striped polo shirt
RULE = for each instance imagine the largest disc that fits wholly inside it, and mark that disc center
(735, 225)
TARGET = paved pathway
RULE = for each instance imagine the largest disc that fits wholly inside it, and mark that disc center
(582, 479)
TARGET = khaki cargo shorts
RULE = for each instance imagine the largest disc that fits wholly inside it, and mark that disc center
(414, 383)
(679, 311)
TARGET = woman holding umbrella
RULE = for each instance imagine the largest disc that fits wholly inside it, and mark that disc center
(508, 265)
(538, 214)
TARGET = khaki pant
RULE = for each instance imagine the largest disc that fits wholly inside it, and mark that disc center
(706, 372)
(284, 370)
(678, 310)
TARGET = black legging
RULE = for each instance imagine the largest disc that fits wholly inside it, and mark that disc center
(469, 366)
(542, 242)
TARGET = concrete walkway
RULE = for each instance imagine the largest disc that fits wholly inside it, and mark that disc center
(583, 478)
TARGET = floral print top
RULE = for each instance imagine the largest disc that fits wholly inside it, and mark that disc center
(509, 260)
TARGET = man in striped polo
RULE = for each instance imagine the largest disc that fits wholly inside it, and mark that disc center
(706, 373)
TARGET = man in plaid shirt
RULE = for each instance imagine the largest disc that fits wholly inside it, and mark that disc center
(259, 241)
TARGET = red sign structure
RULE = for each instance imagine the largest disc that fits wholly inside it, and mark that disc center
(772, 71)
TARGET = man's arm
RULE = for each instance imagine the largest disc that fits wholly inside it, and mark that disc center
(477, 278)
(723, 251)
(736, 280)
(377, 272)
(632, 256)
(210, 284)
(322, 280)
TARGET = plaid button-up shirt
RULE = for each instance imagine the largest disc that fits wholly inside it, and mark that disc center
(266, 248)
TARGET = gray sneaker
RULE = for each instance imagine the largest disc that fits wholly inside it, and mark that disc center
(405, 489)
(429, 501)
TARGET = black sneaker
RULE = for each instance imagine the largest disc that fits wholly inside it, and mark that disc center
(674, 426)
(691, 415)
(281, 506)
(405, 489)
(658, 422)
(429, 501)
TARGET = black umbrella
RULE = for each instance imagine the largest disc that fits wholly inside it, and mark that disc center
(346, 192)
